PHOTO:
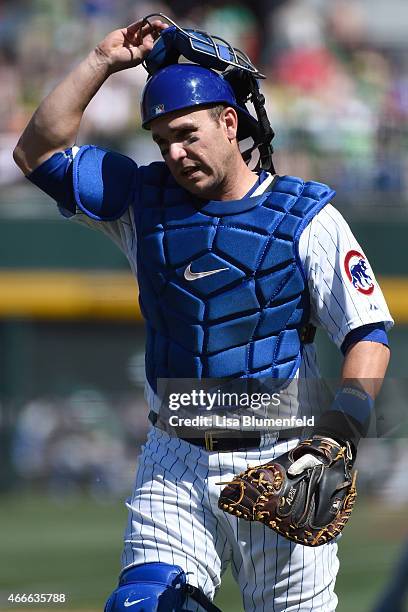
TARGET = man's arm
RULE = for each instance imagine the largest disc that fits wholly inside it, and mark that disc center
(366, 363)
(355, 319)
(55, 123)
(363, 371)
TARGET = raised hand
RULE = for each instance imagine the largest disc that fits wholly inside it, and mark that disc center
(128, 47)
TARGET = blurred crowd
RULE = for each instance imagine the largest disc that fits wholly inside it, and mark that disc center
(337, 94)
(88, 442)
(82, 443)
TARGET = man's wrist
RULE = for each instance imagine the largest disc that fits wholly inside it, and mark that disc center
(353, 400)
(100, 63)
(348, 418)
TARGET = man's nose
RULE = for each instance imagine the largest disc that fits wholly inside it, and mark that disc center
(176, 152)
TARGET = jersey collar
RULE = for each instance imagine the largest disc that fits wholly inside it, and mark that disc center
(248, 202)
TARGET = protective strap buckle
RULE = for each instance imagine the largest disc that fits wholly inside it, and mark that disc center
(210, 440)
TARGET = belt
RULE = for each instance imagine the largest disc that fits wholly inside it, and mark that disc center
(216, 441)
(229, 441)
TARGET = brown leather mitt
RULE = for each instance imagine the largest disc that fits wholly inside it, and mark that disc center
(310, 507)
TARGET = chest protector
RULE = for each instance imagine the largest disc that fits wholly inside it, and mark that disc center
(221, 285)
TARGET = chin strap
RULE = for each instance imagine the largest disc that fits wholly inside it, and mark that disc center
(246, 89)
(266, 132)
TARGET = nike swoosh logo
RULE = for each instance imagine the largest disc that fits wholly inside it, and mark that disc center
(128, 603)
(191, 276)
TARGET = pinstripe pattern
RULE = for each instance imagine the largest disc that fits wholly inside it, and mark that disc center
(337, 306)
(174, 517)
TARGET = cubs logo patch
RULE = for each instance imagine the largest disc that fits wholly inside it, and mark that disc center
(358, 272)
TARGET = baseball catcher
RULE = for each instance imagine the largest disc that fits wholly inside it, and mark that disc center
(236, 267)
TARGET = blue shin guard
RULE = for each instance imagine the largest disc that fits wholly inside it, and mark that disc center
(155, 587)
(152, 587)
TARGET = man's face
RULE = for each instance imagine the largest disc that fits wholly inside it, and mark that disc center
(197, 148)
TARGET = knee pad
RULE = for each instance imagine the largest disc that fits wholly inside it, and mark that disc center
(152, 587)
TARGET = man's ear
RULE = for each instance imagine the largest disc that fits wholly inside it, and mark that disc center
(230, 119)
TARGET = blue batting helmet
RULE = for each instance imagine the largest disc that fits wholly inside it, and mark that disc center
(181, 86)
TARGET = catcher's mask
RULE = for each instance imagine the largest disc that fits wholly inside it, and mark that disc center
(216, 73)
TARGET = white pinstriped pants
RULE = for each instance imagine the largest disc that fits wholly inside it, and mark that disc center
(174, 518)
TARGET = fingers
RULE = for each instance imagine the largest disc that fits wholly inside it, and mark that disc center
(146, 27)
(304, 463)
(160, 25)
(143, 33)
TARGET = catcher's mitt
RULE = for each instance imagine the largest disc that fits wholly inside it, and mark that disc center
(310, 508)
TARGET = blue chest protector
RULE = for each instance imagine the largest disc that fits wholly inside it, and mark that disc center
(244, 317)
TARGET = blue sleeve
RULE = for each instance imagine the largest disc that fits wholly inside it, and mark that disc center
(54, 176)
(100, 183)
(374, 332)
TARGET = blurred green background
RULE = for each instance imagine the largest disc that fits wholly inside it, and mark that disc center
(73, 545)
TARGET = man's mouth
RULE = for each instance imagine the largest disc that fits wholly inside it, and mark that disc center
(189, 171)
